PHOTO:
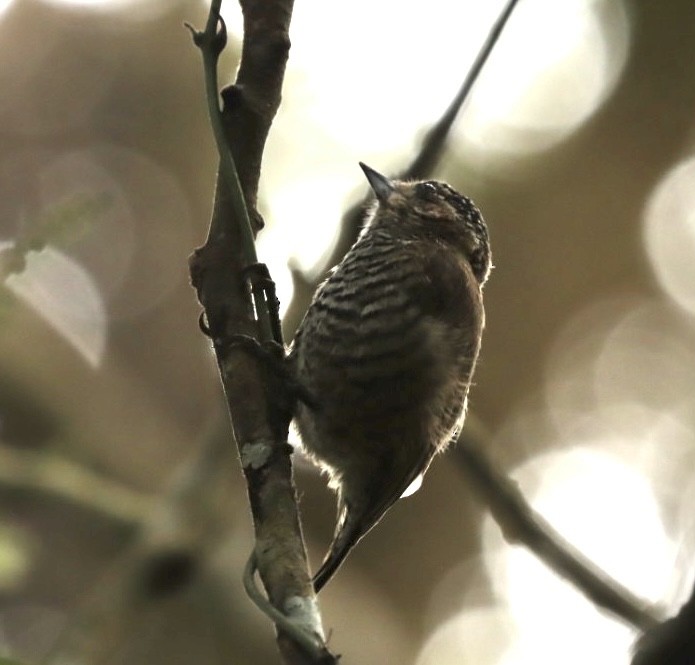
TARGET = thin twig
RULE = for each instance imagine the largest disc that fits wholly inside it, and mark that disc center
(433, 145)
(422, 165)
(521, 524)
(211, 43)
(169, 547)
(49, 474)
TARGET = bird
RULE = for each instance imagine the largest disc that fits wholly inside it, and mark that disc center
(387, 349)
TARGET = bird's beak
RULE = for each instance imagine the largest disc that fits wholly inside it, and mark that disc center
(380, 184)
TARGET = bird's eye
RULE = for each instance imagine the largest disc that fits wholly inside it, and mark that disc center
(428, 191)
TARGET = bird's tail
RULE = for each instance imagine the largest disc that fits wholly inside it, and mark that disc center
(347, 535)
(360, 511)
(353, 524)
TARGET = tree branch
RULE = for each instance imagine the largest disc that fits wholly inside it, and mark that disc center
(434, 142)
(671, 642)
(173, 539)
(219, 274)
(422, 165)
(46, 473)
(521, 524)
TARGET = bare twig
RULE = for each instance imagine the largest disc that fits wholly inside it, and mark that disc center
(521, 524)
(219, 272)
(422, 166)
(434, 143)
(211, 42)
(49, 474)
(173, 538)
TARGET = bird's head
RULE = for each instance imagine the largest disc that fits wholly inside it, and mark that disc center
(432, 210)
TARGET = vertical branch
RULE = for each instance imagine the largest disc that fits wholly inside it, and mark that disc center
(219, 270)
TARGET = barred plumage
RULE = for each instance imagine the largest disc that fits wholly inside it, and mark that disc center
(387, 349)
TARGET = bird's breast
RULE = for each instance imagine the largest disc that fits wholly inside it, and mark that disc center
(379, 365)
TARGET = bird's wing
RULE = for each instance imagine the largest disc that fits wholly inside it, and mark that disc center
(444, 293)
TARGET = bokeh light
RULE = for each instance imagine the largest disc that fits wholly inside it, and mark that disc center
(669, 233)
(131, 10)
(65, 296)
(104, 4)
(614, 480)
(607, 510)
(143, 209)
(620, 374)
(5, 4)
(623, 363)
(310, 209)
(580, 59)
(369, 106)
(603, 504)
(605, 507)
(685, 526)
(647, 357)
(480, 636)
(371, 102)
